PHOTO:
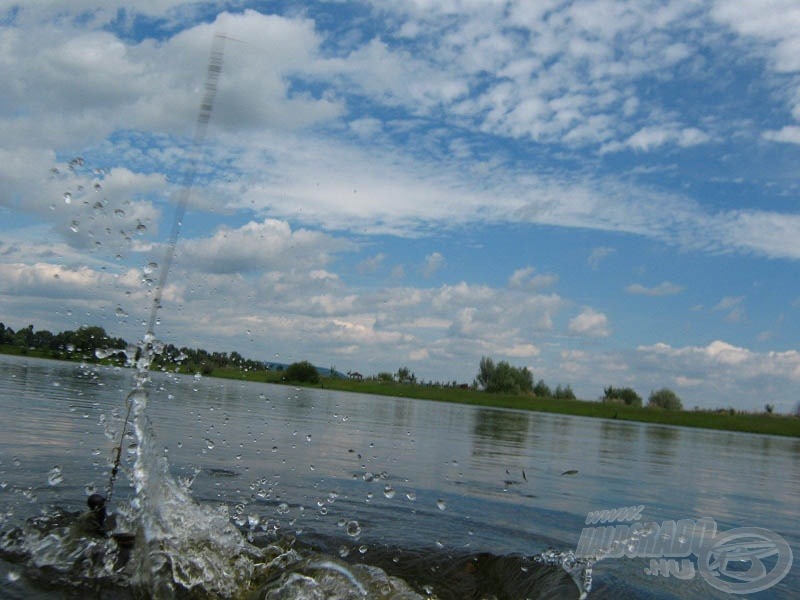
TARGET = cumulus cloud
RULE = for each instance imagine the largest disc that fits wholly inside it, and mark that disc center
(724, 359)
(527, 279)
(590, 323)
(255, 246)
(434, 262)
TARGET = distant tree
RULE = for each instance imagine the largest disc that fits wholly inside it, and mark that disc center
(665, 398)
(385, 376)
(624, 395)
(564, 393)
(404, 375)
(503, 378)
(302, 372)
(769, 408)
(542, 390)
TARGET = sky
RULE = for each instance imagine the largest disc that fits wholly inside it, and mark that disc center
(603, 191)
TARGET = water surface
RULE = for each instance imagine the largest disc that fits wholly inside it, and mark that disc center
(405, 476)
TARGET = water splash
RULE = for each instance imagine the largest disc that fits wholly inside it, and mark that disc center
(180, 544)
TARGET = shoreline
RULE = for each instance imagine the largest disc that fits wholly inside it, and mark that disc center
(758, 423)
(740, 422)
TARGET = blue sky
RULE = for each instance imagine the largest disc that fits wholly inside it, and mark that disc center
(604, 191)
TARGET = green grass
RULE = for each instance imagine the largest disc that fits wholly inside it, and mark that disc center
(743, 422)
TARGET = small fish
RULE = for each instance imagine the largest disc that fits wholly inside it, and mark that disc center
(570, 472)
(222, 472)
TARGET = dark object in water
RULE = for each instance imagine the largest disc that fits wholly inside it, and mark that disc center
(93, 521)
(571, 472)
(462, 576)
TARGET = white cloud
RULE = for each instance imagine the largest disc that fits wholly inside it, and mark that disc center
(598, 255)
(722, 360)
(525, 279)
(665, 288)
(789, 134)
(434, 262)
(590, 323)
(270, 244)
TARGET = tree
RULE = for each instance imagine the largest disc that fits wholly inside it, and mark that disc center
(302, 372)
(503, 378)
(404, 375)
(665, 398)
(542, 390)
(564, 393)
(624, 395)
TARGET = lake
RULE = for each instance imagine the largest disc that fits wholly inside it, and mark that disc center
(421, 495)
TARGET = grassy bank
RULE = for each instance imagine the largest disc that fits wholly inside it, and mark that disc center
(747, 423)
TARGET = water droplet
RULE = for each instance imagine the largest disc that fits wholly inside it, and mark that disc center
(74, 226)
(441, 504)
(362, 549)
(54, 477)
(368, 476)
(411, 496)
(67, 198)
(282, 508)
(210, 444)
(13, 576)
(141, 227)
(119, 212)
(308, 437)
(388, 491)
(120, 312)
(344, 551)
(97, 186)
(353, 529)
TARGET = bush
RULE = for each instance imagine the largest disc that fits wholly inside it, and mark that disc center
(621, 396)
(302, 372)
(666, 399)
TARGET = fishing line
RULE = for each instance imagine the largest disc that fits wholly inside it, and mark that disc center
(213, 71)
(204, 115)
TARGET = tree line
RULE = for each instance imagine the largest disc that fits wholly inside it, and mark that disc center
(92, 344)
(504, 378)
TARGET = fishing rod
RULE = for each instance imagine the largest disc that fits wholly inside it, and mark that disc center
(145, 350)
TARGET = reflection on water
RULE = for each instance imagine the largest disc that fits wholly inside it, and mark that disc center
(661, 444)
(498, 432)
(417, 476)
